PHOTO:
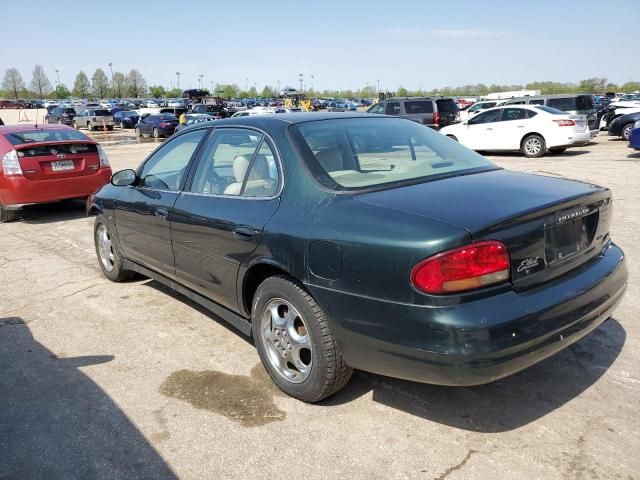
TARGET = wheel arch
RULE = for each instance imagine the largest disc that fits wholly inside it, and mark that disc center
(255, 274)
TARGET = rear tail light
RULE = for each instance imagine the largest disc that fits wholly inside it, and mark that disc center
(564, 123)
(466, 268)
(436, 118)
(164, 124)
(104, 161)
(11, 164)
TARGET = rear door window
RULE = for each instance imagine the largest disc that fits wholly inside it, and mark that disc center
(392, 108)
(509, 114)
(418, 106)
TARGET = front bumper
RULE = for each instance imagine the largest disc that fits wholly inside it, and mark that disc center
(16, 192)
(480, 341)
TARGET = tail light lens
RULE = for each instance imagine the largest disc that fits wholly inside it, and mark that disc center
(466, 268)
(104, 161)
(164, 124)
(11, 165)
(436, 118)
(564, 123)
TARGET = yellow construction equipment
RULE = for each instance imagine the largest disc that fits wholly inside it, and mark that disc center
(298, 100)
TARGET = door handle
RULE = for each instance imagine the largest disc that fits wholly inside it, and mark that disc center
(243, 233)
(490, 128)
(162, 212)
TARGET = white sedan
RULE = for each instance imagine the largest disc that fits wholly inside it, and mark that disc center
(532, 129)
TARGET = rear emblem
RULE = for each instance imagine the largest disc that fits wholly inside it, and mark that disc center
(528, 263)
(61, 156)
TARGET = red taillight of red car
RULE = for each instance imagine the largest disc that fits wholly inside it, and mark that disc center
(436, 118)
(466, 268)
(564, 123)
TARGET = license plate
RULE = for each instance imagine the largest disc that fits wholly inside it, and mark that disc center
(62, 165)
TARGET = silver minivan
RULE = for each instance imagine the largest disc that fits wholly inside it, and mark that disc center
(94, 118)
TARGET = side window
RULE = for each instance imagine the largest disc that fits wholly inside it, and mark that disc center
(536, 102)
(262, 179)
(393, 108)
(486, 117)
(166, 167)
(226, 159)
(531, 113)
(513, 114)
(378, 108)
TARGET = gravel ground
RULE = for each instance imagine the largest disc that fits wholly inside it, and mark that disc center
(104, 380)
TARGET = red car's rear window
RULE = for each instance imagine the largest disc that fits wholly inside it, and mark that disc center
(44, 135)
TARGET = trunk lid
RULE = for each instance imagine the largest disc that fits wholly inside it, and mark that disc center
(581, 123)
(48, 161)
(549, 225)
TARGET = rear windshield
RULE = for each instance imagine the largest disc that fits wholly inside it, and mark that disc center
(167, 116)
(420, 106)
(553, 111)
(57, 135)
(364, 153)
(447, 105)
(100, 113)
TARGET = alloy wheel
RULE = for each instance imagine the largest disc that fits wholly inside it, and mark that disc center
(285, 337)
(532, 146)
(105, 248)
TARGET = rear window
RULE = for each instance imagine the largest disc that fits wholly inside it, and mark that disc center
(57, 135)
(424, 106)
(364, 153)
(100, 113)
(448, 105)
(168, 116)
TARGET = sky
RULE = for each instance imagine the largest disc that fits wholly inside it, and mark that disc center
(344, 44)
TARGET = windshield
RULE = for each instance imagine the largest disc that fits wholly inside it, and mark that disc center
(99, 113)
(363, 153)
(57, 135)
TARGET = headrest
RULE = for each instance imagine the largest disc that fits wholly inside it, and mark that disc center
(240, 165)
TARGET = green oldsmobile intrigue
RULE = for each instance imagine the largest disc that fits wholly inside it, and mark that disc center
(351, 241)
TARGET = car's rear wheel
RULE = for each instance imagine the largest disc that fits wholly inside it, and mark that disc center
(533, 146)
(109, 257)
(7, 215)
(156, 133)
(625, 133)
(557, 149)
(295, 342)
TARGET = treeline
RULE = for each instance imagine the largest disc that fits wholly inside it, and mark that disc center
(134, 85)
(130, 85)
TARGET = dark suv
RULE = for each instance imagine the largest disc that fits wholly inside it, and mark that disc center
(432, 112)
(64, 115)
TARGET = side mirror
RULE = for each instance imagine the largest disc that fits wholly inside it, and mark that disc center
(124, 178)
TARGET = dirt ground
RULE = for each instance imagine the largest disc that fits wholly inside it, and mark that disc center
(105, 380)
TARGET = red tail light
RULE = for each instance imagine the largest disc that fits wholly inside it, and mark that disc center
(164, 124)
(473, 266)
(564, 123)
(436, 118)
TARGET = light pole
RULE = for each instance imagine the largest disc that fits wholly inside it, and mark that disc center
(301, 77)
(246, 81)
(378, 87)
(278, 83)
(212, 91)
(58, 75)
(178, 75)
(113, 87)
(312, 77)
(200, 80)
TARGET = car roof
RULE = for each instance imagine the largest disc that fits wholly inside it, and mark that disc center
(23, 127)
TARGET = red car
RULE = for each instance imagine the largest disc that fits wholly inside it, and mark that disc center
(46, 163)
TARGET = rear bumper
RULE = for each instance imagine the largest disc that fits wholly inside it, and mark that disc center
(20, 191)
(480, 341)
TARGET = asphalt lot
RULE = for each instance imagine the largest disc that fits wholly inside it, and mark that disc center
(104, 380)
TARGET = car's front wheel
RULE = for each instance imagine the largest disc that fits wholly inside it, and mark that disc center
(626, 131)
(138, 132)
(295, 342)
(156, 133)
(109, 257)
(533, 146)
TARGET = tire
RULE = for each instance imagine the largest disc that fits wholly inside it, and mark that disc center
(109, 257)
(156, 133)
(625, 132)
(110, 128)
(319, 370)
(533, 146)
(138, 132)
(89, 127)
(75, 125)
(452, 137)
(59, 121)
(7, 216)
(557, 149)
